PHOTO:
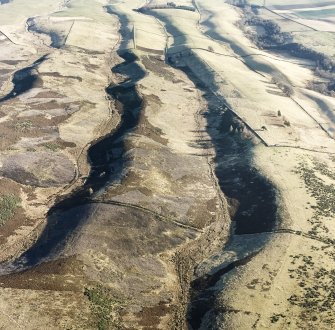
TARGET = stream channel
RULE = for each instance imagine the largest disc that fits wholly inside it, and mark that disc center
(106, 165)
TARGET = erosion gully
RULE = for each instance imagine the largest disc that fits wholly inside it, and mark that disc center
(56, 39)
(251, 197)
(252, 194)
(105, 166)
(24, 79)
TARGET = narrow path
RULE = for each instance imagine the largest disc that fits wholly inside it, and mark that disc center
(13, 42)
(159, 216)
(326, 241)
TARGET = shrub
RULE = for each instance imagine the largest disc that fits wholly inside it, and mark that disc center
(104, 307)
(238, 3)
(23, 125)
(283, 85)
(272, 36)
(287, 123)
(52, 146)
(8, 204)
(321, 87)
